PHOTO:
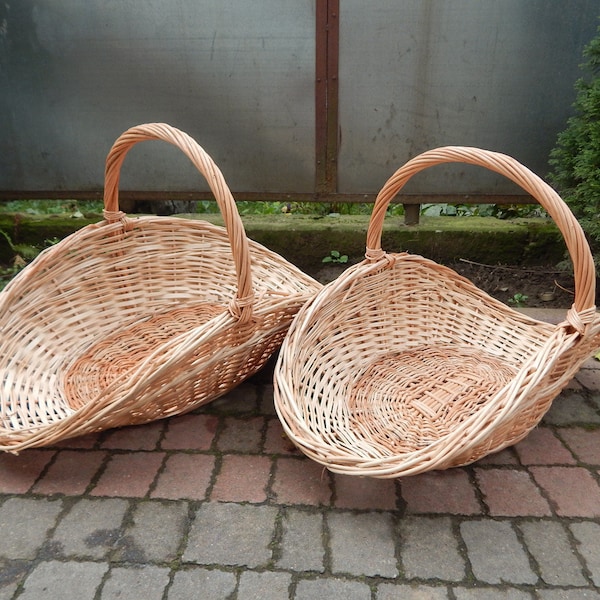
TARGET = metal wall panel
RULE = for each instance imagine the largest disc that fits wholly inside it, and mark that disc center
(237, 76)
(416, 74)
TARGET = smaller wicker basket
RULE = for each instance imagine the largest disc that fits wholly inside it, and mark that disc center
(131, 320)
(401, 365)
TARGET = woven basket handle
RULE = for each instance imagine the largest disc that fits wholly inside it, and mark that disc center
(583, 263)
(242, 304)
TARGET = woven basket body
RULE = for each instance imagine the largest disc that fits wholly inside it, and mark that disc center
(132, 320)
(401, 365)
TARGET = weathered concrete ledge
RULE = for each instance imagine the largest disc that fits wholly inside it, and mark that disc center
(305, 239)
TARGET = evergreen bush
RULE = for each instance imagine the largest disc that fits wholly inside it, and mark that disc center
(575, 160)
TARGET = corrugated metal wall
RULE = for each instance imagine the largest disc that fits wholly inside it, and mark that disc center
(237, 76)
(240, 78)
(417, 74)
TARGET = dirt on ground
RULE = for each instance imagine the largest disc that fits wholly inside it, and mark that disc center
(531, 286)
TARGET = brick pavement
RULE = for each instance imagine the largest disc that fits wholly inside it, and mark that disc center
(218, 504)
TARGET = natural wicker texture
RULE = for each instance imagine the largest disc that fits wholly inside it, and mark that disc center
(135, 319)
(401, 365)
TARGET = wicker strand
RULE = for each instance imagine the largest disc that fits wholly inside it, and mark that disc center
(112, 216)
(237, 305)
(374, 254)
(579, 320)
(204, 163)
(583, 263)
(118, 217)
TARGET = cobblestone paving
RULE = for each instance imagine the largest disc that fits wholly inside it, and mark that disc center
(218, 504)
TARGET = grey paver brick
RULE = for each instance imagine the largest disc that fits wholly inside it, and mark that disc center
(196, 583)
(391, 591)
(267, 405)
(24, 523)
(345, 543)
(363, 544)
(302, 541)
(242, 399)
(8, 591)
(147, 582)
(241, 435)
(276, 441)
(90, 529)
(595, 399)
(332, 589)
(11, 575)
(64, 580)
(587, 535)
(449, 491)
(577, 594)
(549, 545)
(570, 408)
(589, 378)
(430, 549)
(231, 534)
(264, 586)
(483, 593)
(155, 532)
(495, 552)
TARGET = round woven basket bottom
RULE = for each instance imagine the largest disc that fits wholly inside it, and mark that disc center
(405, 401)
(117, 354)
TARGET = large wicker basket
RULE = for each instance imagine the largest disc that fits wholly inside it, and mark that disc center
(135, 319)
(401, 365)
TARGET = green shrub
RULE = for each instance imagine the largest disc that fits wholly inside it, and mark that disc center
(575, 161)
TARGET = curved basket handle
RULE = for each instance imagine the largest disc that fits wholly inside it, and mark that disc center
(583, 263)
(242, 304)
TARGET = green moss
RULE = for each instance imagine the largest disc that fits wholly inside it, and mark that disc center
(36, 229)
(304, 239)
(7, 251)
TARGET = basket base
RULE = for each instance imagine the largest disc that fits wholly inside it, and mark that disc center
(405, 401)
(116, 355)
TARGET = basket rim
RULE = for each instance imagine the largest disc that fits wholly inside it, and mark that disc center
(242, 304)
(548, 198)
(78, 240)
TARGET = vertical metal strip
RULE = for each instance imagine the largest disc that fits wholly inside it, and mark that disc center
(326, 95)
(333, 54)
(321, 96)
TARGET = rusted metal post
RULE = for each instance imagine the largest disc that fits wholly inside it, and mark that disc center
(411, 214)
(326, 95)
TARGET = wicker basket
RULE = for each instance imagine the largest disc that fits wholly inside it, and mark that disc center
(131, 320)
(401, 365)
